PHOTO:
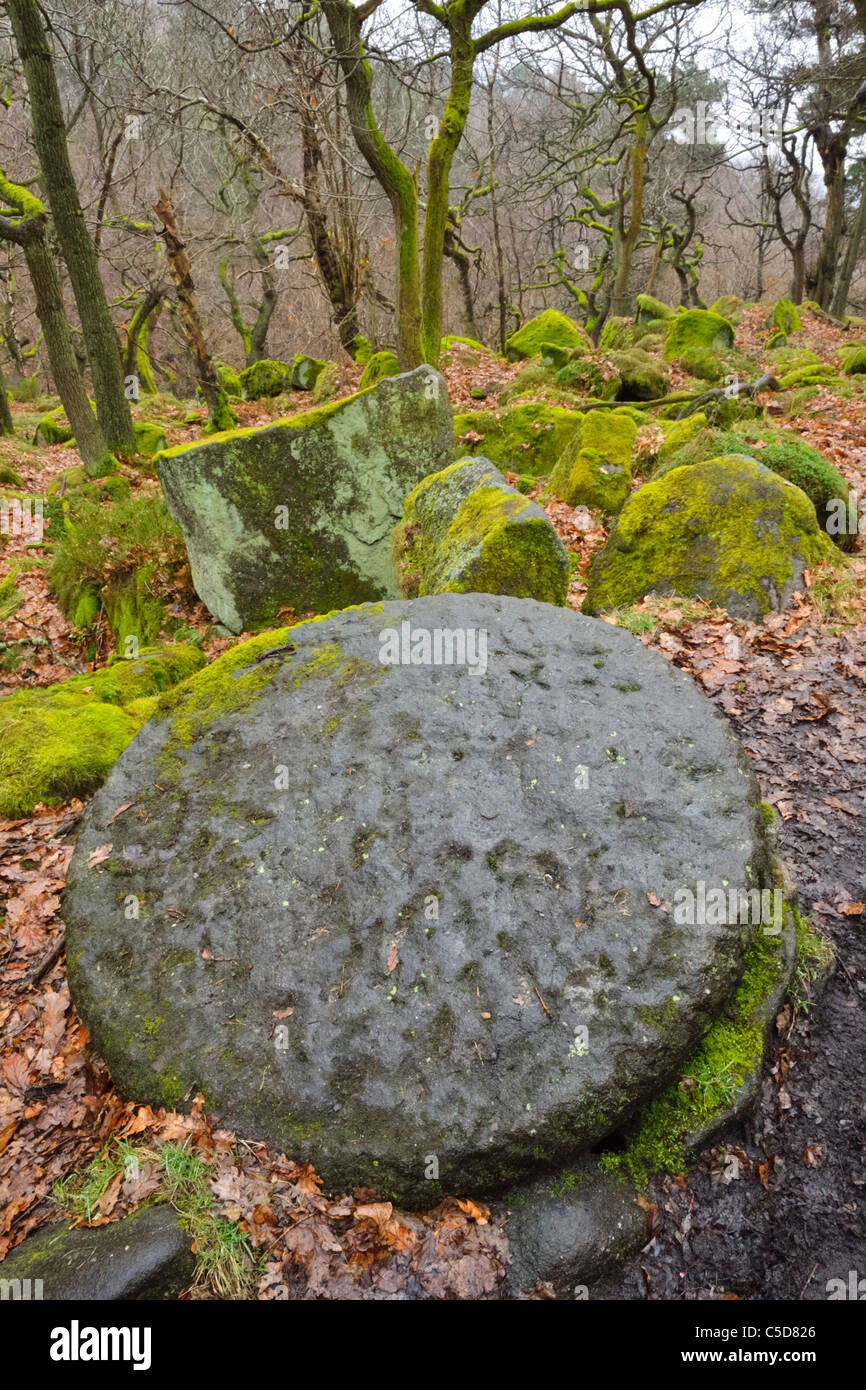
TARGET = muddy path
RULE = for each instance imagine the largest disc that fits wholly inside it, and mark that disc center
(795, 1216)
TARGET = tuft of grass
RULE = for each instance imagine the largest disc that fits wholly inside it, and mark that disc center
(815, 954)
(834, 592)
(224, 1260)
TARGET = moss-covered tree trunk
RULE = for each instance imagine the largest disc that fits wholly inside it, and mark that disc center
(49, 135)
(629, 233)
(6, 426)
(137, 354)
(220, 414)
(27, 228)
(395, 179)
(440, 157)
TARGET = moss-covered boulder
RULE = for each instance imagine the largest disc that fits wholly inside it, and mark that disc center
(730, 307)
(678, 433)
(594, 469)
(59, 741)
(149, 438)
(854, 363)
(781, 450)
(652, 310)
(306, 371)
(697, 328)
(299, 514)
(378, 367)
(465, 530)
(640, 376)
(526, 438)
(269, 377)
(728, 530)
(614, 328)
(452, 340)
(784, 318)
(549, 327)
(381, 830)
(702, 363)
(53, 428)
(228, 379)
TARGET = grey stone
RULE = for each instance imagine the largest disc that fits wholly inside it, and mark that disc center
(144, 1256)
(568, 1229)
(380, 901)
(299, 514)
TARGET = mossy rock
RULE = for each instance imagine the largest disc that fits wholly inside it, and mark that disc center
(455, 340)
(228, 379)
(777, 339)
(60, 741)
(149, 438)
(781, 450)
(730, 307)
(53, 428)
(678, 434)
(268, 377)
(306, 371)
(527, 438)
(466, 531)
(649, 309)
(8, 476)
(300, 513)
(594, 470)
(611, 334)
(327, 385)
(641, 377)
(380, 366)
(700, 362)
(533, 379)
(548, 327)
(808, 376)
(784, 318)
(554, 355)
(790, 357)
(855, 362)
(729, 531)
(697, 328)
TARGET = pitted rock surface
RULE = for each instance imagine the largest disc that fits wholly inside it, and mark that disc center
(378, 902)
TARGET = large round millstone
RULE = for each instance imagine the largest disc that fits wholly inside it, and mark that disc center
(413, 920)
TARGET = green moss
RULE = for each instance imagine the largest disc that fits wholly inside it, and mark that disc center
(550, 326)
(464, 530)
(784, 317)
(228, 380)
(700, 362)
(722, 530)
(730, 1052)
(594, 470)
(149, 438)
(269, 377)
(641, 378)
(781, 450)
(855, 362)
(452, 339)
(380, 365)
(60, 741)
(697, 328)
(53, 428)
(306, 371)
(527, 438)
(649, 308)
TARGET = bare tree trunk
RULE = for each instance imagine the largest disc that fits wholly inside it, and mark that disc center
(220, 414)
(852, 253)
(6, 426)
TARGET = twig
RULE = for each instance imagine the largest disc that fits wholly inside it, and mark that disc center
(38, 970)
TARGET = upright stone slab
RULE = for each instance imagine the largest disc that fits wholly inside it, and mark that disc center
(299, 514)
(405, 879)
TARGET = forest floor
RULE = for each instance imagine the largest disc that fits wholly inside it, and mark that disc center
(795, 689)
